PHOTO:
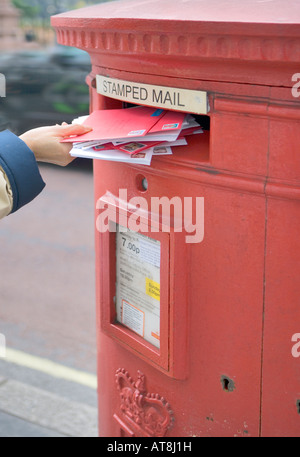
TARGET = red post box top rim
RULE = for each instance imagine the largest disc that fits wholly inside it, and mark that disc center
(215, 11)
(221, 40)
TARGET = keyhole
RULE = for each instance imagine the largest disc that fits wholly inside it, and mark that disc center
(227, 384)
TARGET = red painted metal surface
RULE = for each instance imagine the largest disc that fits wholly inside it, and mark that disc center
(226, 366)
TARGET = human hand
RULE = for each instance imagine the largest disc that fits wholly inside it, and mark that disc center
(45, 142)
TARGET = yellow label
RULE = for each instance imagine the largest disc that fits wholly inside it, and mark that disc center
(152, 289)
(155, 335)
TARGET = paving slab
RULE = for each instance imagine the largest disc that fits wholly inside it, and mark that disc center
(13, 427)
(44, 409)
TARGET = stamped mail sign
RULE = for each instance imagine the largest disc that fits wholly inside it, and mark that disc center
(189, 101)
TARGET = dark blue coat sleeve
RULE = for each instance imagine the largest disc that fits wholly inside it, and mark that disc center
(20, 166)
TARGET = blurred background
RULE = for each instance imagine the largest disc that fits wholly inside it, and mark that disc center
(47, 302)
(39, 73)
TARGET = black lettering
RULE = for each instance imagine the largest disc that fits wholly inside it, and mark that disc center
(145, 93)
(114, 89)
(104, 86)
(128, 90)
(135, 92)
(168, 98)
(157, 98)
(178, 99)
(121, 90)
(109, 84)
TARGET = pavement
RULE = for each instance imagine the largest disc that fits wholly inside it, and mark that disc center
(36, 404)
(48, 382)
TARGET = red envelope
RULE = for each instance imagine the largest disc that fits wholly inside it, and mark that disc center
(119, 124)
(171, 120)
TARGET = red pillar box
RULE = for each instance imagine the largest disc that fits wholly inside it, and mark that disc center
(199, 329)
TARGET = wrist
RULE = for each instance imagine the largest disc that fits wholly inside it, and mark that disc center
(29, 142)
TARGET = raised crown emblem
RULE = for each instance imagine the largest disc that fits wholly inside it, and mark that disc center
(145, 414)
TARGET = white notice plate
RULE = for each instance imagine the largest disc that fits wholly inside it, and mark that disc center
(189, 101)
(138, 284)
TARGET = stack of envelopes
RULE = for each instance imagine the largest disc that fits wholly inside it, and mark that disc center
(133, 135)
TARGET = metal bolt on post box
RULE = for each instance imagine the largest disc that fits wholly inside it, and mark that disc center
(199, 337)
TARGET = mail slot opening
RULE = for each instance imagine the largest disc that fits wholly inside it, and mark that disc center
(136, 134)
(198, 150)
(202, 119)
